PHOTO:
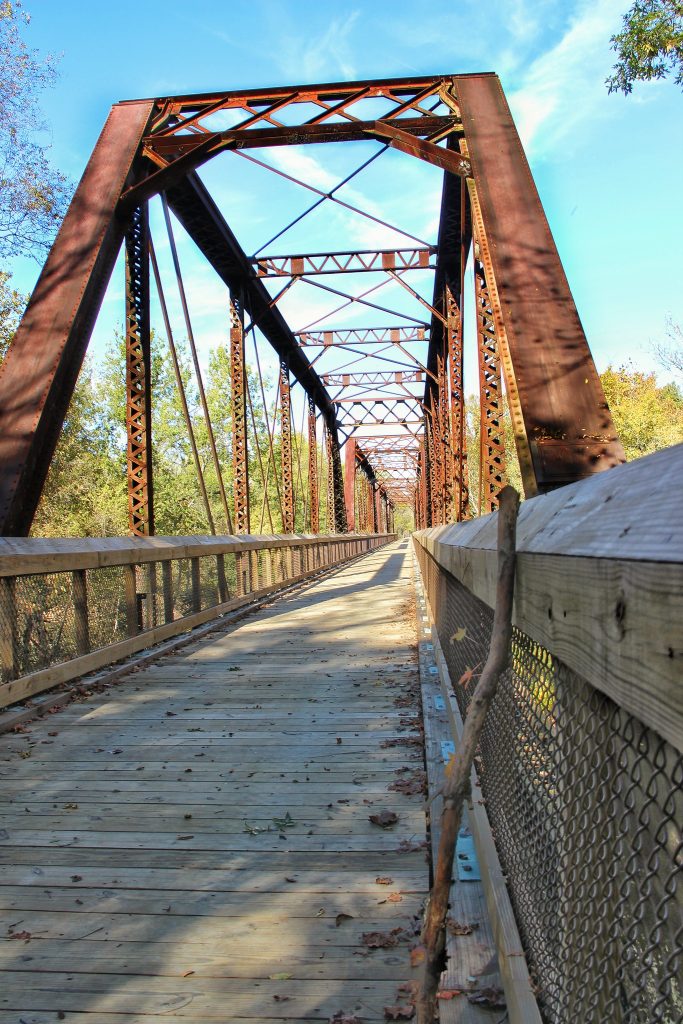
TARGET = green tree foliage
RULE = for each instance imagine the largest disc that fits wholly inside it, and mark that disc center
(647, 416)
(12, 305)
(33, 194)
(649, 46)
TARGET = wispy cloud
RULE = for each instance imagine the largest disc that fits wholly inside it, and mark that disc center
(313, 59)
(565, 85)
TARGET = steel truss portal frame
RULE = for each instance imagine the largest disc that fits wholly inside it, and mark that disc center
(404, 424)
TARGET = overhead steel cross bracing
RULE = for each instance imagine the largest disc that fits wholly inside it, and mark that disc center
(458, 124)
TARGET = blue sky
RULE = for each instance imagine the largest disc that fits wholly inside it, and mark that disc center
(607, 167)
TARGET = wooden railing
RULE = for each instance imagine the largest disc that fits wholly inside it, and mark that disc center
(71, 606)
(581, 764)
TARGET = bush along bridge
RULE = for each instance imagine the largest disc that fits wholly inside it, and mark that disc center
(223, 756)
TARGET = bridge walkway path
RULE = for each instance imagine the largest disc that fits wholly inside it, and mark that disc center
(195, 842)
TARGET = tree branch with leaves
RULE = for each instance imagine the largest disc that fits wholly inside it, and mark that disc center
(650, 45)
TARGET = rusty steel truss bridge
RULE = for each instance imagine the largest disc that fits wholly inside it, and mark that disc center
(383, 387)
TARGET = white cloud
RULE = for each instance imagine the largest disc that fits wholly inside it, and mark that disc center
(314, 59)
(565, 85)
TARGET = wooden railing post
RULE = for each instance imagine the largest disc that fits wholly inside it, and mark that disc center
(80, 598)
(9, 634)
(223, 592)
(196, 585)
(167, 587)
(131, 596)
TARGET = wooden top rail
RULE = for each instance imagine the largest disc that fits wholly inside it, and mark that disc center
(21, 556)
(599, 580)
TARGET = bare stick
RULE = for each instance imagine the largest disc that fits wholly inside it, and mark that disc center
(457, 785)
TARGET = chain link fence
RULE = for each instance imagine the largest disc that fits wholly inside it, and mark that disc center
(586, 807)
(48, 618)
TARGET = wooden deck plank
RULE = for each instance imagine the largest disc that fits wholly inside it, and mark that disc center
(116, 906)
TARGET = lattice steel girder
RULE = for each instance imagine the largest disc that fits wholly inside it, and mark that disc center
(313, 490)
(238, 387)
(39, 372)
(355, 262)
(362, 336)
(286, 450)
(375, 378)
(350, 455)
(138, 379)
(491, 437)
(548, 365)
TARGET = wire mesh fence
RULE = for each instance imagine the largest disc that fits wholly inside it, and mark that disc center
(586, 806)
(51, 617)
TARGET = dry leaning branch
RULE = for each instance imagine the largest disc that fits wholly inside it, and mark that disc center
(457, 785)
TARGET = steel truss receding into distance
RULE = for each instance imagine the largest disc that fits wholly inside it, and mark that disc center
(390, 388)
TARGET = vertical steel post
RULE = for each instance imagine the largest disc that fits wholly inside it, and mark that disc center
(492, 440)
(460, 491)
(313, 495)
(442, 440)
(286, 450)
(138, 378)
(350, 483)
(238, 386)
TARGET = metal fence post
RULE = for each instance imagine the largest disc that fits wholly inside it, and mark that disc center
(80, 597)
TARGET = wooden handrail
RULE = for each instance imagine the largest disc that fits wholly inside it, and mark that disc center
(599, 580)
(22, 556)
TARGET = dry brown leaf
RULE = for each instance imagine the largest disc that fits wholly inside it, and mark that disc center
(417, 956)
(460, 927)
(345, 1018)
(493, 998)
(405, 1012)
(385, 819)
(448, 993)
(383, 880)
(394, 897)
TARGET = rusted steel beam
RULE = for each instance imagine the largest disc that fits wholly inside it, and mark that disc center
(373, 378)
(238, 386)
(39, 373)
(138, 379)
(350, 483)
(362, 336)
(338, 505)
(352, 262)
(286, 450)
(491, 436)
(172, 147)
(201, 218)
(549, 368)
(399, 138)
(458, 454)
(313, 491)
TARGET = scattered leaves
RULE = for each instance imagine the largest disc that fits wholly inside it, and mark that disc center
(493, 998)
(383, 880)
(345, 1018)
(394, 897)
(384, 940)
(283, 823)
(19, 935)
(417, 956)
(408, 846)
(401, 1012)
(385, 819)
(417, 783)
(460, 927)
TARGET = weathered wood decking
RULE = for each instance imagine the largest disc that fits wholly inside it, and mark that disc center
(184, 844)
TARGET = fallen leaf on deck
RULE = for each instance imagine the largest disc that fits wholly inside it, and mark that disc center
(341, 918)
(408, 988)
(282, 976)
(493, 998)
(394, 897)
(406, 1012)
(383, 880)
(448, 993)
(19, 935)
(345, 1018)
(385, 819)
(460, 928)
(417, 956)
(280, 999)
(384, 940)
